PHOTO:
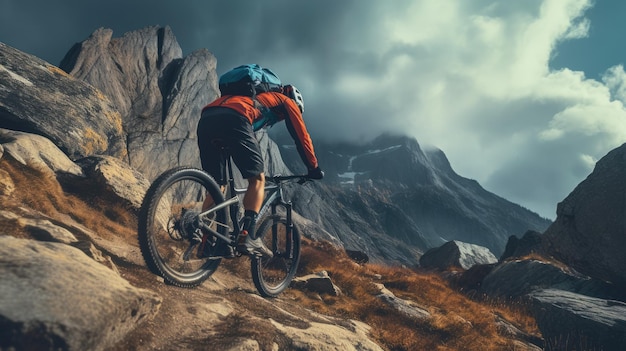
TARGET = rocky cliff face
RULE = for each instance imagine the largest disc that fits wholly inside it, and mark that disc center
(590, 230)
(39, 98)
(158, 92)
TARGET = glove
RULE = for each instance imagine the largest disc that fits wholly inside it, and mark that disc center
(316, 173)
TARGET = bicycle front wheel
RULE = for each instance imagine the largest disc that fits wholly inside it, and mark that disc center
(169, 226)
(271, 276)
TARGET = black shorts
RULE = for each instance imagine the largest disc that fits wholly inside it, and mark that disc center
(235, 132)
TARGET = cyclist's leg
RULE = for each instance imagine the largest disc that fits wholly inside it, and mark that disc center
(255, 193)
(212, 125)
(246, 154)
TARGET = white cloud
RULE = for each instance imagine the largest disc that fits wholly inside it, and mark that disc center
(474, 80)
(615, 80)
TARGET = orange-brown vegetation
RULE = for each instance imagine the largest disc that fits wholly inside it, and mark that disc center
(87, 205)
(456, 323)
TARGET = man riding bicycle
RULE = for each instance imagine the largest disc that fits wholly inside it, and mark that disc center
(230, 119)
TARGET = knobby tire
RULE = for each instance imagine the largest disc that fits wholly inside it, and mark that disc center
(271, 276)
(164, 243)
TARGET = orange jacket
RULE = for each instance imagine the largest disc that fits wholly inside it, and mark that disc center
(285, 108)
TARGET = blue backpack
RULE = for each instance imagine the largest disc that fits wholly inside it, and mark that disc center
(249, 80)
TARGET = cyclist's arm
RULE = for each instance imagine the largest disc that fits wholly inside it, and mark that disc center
(297, 129)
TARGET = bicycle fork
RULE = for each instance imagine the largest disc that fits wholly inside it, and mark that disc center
(288, 227)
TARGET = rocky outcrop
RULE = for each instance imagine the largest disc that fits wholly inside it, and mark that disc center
(570, 321)
(456, 254)
(528, 244)
(404, 307)
(158, 92)
(117, 178)
(37, 311)
(518, 278)
(322, 336)
(39, 98)
(37, 152)
(590, 230)
(318, 282)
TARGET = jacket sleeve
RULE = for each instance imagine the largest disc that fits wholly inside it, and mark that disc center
(300, 135)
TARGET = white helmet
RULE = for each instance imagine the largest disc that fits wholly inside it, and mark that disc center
(295, 95)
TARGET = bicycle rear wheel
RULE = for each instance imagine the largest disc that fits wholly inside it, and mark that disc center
(169, 226)
(271, 276)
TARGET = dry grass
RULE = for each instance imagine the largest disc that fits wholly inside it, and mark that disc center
(80, 200)
(456, 323)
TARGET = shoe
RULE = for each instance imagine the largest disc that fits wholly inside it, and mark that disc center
(224, 251)
(255, 247)
(220, 250)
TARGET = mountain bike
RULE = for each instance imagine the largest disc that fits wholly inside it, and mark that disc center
(181, 241)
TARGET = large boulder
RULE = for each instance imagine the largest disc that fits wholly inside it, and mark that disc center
(54, 297)
(158, 92)
(39, 98)
(590, 229)
(570, 321)
(457, 254)
(37, 152)
(517, 278)
(116, 178)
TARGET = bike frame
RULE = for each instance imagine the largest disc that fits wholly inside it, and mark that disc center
(272, 200)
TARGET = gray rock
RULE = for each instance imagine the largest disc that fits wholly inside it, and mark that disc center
(328, 337)
(37, 152)
(523, 341)
(117, 177)
(405, 307)
(89, 249)
(570, 321)
(52, 297)
(590, 230)
(44, 230)
(457, 254)
(529, 243)
(517, 278)
(158, 92)
(318, 282)
(358, 256)
(39, 98)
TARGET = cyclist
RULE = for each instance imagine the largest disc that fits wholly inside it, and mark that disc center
(230, 119)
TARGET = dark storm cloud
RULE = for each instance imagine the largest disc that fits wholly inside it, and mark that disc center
(333, 36)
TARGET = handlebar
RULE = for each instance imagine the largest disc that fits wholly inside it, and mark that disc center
(303, 178)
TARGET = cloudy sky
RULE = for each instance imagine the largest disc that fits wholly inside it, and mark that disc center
(523, 96)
